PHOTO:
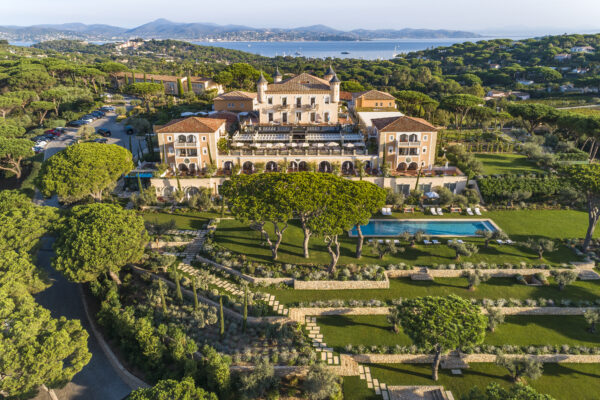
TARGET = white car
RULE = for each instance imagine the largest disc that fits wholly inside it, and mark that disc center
(87, 120)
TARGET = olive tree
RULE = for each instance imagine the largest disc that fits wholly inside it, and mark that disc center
(521, 367)
(442, 324)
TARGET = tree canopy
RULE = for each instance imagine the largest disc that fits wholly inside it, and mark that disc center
(99, 239)
(84, 170)
(172, 390)
(12, 153)
(442, 324)
(586, 179)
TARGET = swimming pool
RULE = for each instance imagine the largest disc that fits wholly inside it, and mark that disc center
(432, 227)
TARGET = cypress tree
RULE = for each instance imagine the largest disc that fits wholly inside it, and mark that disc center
(139, 181)
(145, 80)
(179, 88)
(221, 318)
(152, 79)
(177, 284)
(244, 321)
(132, 77)
(189, 84)
(222, 206)
(130, 145)
(195, 295)
(161, 290)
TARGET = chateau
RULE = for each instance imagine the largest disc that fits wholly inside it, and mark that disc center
(296, 125)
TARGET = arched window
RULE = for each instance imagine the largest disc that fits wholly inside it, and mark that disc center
(181, 138)
(404, 137)
(271, 166)
(413, 138)
(191, 139)
(324, 166)
(401, 167)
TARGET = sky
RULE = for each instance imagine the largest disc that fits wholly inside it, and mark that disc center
(536, 16)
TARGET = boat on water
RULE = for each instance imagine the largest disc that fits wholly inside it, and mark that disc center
(298, 53)
(345, 52)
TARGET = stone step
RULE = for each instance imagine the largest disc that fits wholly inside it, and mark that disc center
(588, 275)
(421, 277)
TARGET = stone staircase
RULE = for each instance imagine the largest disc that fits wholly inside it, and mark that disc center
(379, 387)
(314, 333)
(422, 275)
(588, 275)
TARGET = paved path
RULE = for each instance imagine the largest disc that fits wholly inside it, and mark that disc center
(98, 380)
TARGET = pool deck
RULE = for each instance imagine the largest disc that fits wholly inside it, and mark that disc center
(491, 222)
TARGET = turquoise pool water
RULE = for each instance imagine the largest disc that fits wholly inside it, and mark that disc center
(395, 227)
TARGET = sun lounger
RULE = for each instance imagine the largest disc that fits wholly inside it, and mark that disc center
(435, 241)
(396, 241)
(499, 241)
(383, 211)
(432, 211)
(459, 241)
(469, 211)
(387, 240)
(477, 211)
(379, 240)
(426, 241)
(439, 211)
(508, 241)
(370, 240)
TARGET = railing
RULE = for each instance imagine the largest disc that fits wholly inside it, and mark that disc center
(297, 152)
(186, 144)
(409, 143)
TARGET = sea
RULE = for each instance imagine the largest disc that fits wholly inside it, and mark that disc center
(366, 50)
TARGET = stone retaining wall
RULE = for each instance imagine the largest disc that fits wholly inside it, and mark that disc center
(251, 279)
(153, 245)
(496, 272)
(470, 358)
(340, 285)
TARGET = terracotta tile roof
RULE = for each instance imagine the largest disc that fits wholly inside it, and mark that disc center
(230, 117)
(373, 95)
(346, 96)
(301, 83)
(191, 124)
(158, 77)
(236, 95)
(403, 124)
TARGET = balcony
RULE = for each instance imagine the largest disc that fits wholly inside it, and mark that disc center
(186, 144)
(309, 151)
(408, 143)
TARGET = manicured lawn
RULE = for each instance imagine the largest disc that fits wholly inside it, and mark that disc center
(522, 330)
(188, 221)
(356, 389)
(494, 288)
(562, 381)
(519, 225)
(501, 164)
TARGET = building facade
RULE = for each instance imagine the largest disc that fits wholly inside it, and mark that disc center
(199, 84)
(236, 101)
(302, 100)
(190, 144)
(406, 143)
(373, 100)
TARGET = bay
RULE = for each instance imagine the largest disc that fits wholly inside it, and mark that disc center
(367, 50)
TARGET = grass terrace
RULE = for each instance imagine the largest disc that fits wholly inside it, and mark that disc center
(520, 225)
(500, 164)
(183, 220)
(562, 381)
(494, 288)
(521, 330)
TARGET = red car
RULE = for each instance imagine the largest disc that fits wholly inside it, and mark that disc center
(55, 132)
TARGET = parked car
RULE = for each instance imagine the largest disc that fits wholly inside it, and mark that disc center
(97, 114)
(49, 136)
(85, 121)
(107, 108)
(101, 140)
(75, 124)
(129, 130)
(54, 132)
(104, 132)
(38, 138)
